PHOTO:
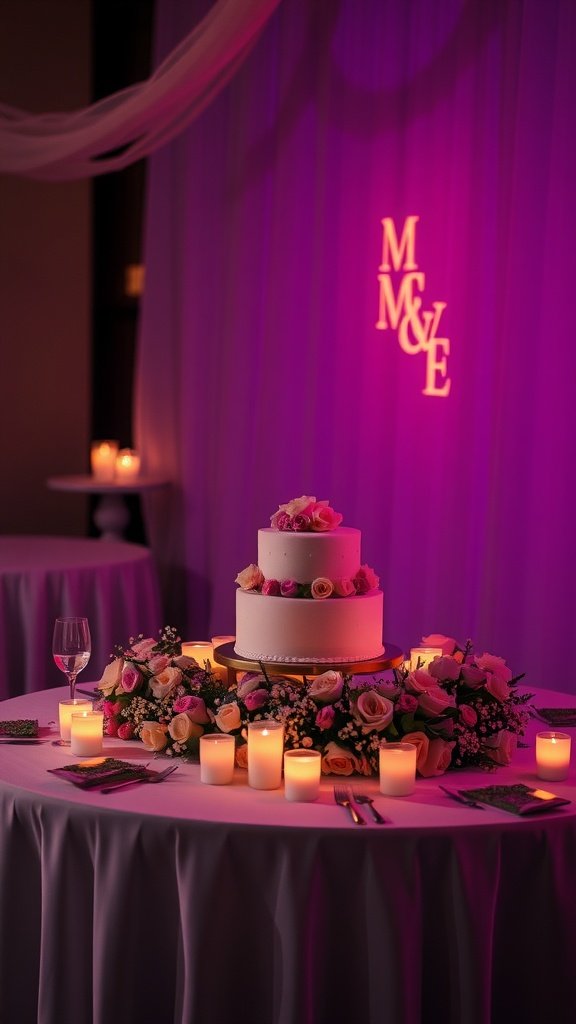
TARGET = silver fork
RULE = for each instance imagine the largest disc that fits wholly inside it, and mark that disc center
(152, 777)
(342, 798)
(363, 798)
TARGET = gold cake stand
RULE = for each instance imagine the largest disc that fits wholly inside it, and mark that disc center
(225, 655)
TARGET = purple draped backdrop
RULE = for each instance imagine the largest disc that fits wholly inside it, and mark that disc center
(262, 374)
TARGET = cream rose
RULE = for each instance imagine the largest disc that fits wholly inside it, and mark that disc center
(228, 717)
(373, 711)
(110, 682)
(153, 735)
(163, 684)
(327, 687)
(297, 505)
(250, 578)
(182, 728)
(338, 761)
(321, 588)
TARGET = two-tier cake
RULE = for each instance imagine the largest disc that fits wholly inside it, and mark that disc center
(309, 598)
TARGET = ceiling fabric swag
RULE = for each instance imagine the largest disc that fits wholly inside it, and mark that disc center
(136, 121)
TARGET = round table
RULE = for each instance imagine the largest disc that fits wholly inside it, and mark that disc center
(41, 578)
(200, 904)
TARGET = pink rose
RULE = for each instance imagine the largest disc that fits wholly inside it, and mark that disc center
(468, 716)
(157, 663)
(495, 666)
(446, 643)
(366, 580)
(344, 587)
(327, 687)
(288, 588)
(438, 758)
(419, 681)
(372, 711)
(250, 578)
(422, 744)
(337, 760)
(321, 588)
(435, 701)
(301, 523)
(444, 668)
(250, 681)
(406, 703)
(125, 731)
(271, 588)
(473, 677)
(153, 735)
(194, 707)
(131, 680)
(497, 687)
(256, 699)
(143, 648)
(325, 717)
(324, 518)
(108, 707)
(502, 747)
(111, 728)
(163, 684)
(280, 521)
(185, 661)
(241, 755)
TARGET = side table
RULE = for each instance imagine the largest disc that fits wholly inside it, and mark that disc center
(111, 515)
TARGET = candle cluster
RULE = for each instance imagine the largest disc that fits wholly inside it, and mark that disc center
(109, 462)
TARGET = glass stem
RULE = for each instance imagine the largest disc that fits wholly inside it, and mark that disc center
(72, 681)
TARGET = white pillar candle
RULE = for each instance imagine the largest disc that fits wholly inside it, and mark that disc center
(265, 749)
(103, 459)
(397, 768)
(302, 774)
(127, 465)
(66, 708)
(552, 755)
(200, 650)
(420, 657)
(216, 758)
(87, 733)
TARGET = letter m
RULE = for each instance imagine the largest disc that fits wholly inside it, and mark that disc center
(391, 307)
(399, 254)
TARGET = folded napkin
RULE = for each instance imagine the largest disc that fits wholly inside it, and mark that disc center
(518, 799)
(17, 727)
(557, 716)
(100, 771)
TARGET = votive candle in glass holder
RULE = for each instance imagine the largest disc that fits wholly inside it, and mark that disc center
(302, 774)
(103, 459)
(217, 758)
(265, 750)
(66, 708)
(420, 657)
(552, 755)
(397, 769)
(87, 733)
(200, 650)
(127, 465)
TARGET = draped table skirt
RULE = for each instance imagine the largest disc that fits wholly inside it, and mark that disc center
(200, 904)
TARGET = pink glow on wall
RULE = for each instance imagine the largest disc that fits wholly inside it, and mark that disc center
(399, 309)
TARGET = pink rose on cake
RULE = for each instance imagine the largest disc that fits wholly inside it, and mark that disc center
(289, 588)
(321, 588)
(344, 587)
(327, 687)
(324, 518)
(366, 580)
(271, 588)
(250, 578)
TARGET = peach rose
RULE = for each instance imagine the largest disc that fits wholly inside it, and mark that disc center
(228, 717)
(250, 578)
(422, 743)
(338, 761)
(241, 755)
(153, 735)
(321, 588)
(372, 711)
(185, 661)
(446, 643)
(438, 758)
(502, 747)
(344, 587)
(182, 728)
(111, 676)
(435, 701)
(163, 684)
(143, 648)
(157, 663)
(327, 687)
(324, 518)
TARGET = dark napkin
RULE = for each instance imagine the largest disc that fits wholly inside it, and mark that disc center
(19, 727)
(557, 716)
(518, 799)
(100, 771)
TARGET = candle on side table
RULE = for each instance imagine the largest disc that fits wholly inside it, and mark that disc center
(217, 758)
(200, 650)
(302, 774)
(552, 755)
(127, 465)
(87, 733)
(397, 769)
(265, 750)
(420, 657)
(103, 459)
(66, 708)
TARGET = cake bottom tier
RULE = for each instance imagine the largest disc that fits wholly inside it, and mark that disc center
(295, 629)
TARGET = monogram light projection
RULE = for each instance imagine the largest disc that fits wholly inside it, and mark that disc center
(400, 308)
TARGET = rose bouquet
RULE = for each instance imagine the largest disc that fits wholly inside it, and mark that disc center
(461, 710)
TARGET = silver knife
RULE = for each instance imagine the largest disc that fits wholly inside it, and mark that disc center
(455, 794)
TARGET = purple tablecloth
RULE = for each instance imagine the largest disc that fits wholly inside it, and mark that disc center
(114, 585)
(196, 904)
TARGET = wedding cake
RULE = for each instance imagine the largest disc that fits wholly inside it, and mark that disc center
(309, 598)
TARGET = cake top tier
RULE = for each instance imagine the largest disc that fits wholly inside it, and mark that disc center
(305, 514)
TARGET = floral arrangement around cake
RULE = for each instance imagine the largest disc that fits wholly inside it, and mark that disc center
(462, 710)
(303, 515)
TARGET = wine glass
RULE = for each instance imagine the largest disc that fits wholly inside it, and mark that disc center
(71, 647)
